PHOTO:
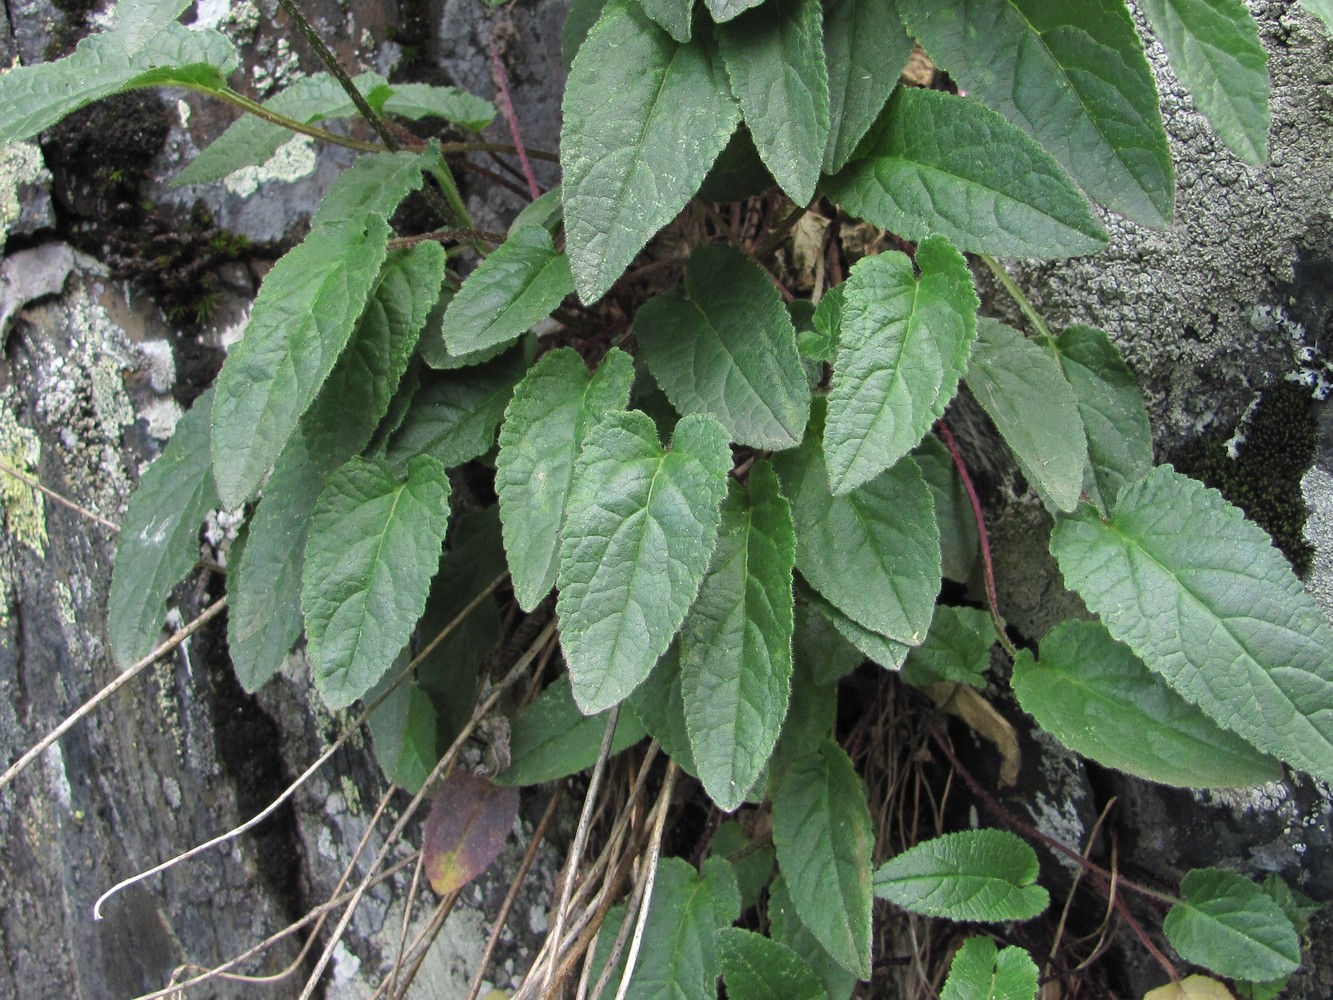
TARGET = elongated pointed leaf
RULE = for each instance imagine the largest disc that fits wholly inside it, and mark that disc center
(1095, 696)
(466, 829)
(551, 412)
(775, 61)
(1110, 405)
(403, 730)
(264, 585)
(302, 319)
(374, 546)
(516, 286)
(874, 552)
(454, 417)
(816, 643)
(981, 971)
(785, 926)
(1072, 73)
(552, 738)
(1216, 52)
(679, 954)
(822, 830)
(937, 163)
(903, 346)
(33, 98)
(372, 365)
(1228, 924)
(673, 15)
(729, 350)
(657, 704)
(758, 968)
(865, 50)
(953, 510)
(1022, 389)
(1203, 598)
(736, 643)
(159, 536)
(640, 529)
(644, 118)
(986, 875)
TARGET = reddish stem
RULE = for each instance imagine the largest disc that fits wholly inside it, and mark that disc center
(507, 109)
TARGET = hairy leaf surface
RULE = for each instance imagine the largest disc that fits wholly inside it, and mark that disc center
(1095, 696)
(374, 546)
(873, 646)
(516, 286)
(1200, 594)
(423, 100)
(644, 118)
(937, 163)
(985, 875)
(729, 350)
(736, 642)
(874, 552)
(823, 834)
(640, 528)
(775, 61)
(785, 926)
(1034, 408)
(1073, 74)
(135, 22)
(159, 535)
(673, 15)
(957, 649)
(865, 49)
(758, 968)
(725, 10)
(903, 346)
(981, 971)
(552, 410)
(1215, 50)
(1228, 924)
(1110, 405)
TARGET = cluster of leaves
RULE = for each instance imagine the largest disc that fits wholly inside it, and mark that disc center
(803, 514)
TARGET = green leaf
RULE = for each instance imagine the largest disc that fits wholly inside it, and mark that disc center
(1229, 925)
(1110, 404)
(957, 649)
(886, 652)
(937, 163)
(981, 971)
(819, 648)
(159, 536)
(673, 15)
(1322, 9)
(1072, 73)
(1215, 50)
(421, 100)
(754, 871)
(982, 875)
(902, 348)
(811, 715)
(305, 313)
(1097, 698)
(466, 829)
(736, 642)
(640, 528)
(644, 118)
(728, 350)
(758, 968)
(725, 10)
(135, 22)
(373, 186)
(552, 738)
(865, 49)
(374, 546)
(1034, 408)
(551, 412)
(516, 286)
(583, 14)
(657, 704)
(775, 61)
(33, 98)
(1228, 624)
(679, 955)
(402, 729)
(953, 511)
(370, 368)
(264, 584)
(453, 418)
(785, 926)
(823, 834)
(873, 552)
(251, 140)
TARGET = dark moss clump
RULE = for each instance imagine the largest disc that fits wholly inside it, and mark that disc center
(1264, 479)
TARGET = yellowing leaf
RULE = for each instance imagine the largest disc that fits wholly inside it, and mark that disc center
(466, 829)
(1191, 988)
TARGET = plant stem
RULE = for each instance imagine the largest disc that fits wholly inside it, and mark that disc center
(988, 567)
(274, 118)
(1016, 293)
(780, 231)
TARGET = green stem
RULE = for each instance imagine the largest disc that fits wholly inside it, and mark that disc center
(1017, 295)
(496, 147)
(274, 118)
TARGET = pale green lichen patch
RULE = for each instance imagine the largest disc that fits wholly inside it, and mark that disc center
(24, 507)
(20, 166)
(292, 161)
